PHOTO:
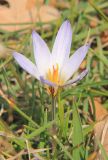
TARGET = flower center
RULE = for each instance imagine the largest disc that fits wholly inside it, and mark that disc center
(53, 76)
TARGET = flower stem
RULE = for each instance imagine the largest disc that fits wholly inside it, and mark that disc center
(60, 111)
(53, 129)
(53, 107)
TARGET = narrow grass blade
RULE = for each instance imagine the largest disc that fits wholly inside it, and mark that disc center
(63, 148)
(77, 136)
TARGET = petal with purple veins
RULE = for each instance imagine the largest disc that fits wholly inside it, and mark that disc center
(49, 83)
(73, 63)
(77, 79)
(26, 64)
(41, 53)
(62, 44)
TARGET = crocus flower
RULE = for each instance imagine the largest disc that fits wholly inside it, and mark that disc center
(56, 68)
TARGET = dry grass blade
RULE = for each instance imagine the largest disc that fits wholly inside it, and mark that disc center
(101, 133)
(23, 152)
(101, 128)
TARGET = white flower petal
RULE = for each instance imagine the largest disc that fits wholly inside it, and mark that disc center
(77, 79)
(26, 64)
(41, 53)
(74, 62)
(61, 48)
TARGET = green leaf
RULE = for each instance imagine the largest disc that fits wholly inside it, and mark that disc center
(77, 136)
(63, 147)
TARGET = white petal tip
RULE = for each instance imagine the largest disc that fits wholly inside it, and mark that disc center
(67, 25)
(66, 22)
(16, 54)
(33, 33)
(83, 74)
(88, 45)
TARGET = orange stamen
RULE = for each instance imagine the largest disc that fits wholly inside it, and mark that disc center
(53, 76)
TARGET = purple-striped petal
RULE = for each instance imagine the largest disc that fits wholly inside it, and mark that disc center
(49, 83)
(61, 48)
(74, 62)
(26, 64)
(41, 53)
(77, 79)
